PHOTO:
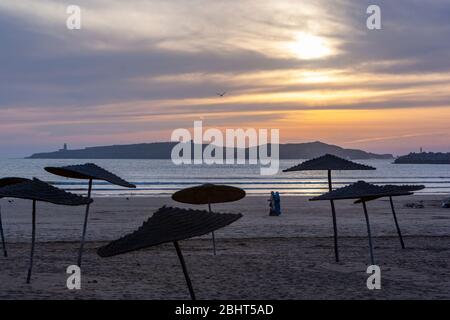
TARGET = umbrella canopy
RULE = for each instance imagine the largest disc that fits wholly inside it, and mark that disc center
(410, 188)
(395, 188)
(397, 191)
(38, 190)
(361, 190)
(89, 171)
(328, 162)
(11, 180)
(168, 225)
(209, 193)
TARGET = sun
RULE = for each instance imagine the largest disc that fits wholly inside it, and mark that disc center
(307, 46)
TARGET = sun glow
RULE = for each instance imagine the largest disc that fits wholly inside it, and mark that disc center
(307, 46)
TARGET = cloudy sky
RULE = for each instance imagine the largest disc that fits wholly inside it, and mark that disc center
(139, 69)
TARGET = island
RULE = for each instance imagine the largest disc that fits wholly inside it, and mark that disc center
(162, 150)
(424, 158)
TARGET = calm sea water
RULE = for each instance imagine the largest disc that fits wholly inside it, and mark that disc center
(162, 177)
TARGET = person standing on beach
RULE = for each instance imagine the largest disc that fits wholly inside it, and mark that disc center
(277, 203)
(272, 204)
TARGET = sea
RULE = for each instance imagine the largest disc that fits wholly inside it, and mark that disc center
(162, 177)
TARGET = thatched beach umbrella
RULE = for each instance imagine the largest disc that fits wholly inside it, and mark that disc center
(3, 183)
(207, 194)
(37, 190)
(365, 192)
(328, 163)
(88, 171)
(407, 188)
(170, 225)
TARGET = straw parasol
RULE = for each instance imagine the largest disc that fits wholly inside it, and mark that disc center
(3, 183)
(170, 225)
(37, 190)
(328, 163)
(407, 188)
(88, 171)
(364, 192)
(207, 194)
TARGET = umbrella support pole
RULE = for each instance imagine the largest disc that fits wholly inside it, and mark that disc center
(214, 242)
(212, 233)
(186, 274)
(333, 212)
(33, 238)
(372, 259)
(336, 248)
(396, 223)
(86, 216)
(5, 252)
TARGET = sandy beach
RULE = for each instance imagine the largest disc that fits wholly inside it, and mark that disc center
(259, 257)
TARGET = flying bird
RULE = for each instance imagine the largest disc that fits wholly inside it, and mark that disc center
(222, 94)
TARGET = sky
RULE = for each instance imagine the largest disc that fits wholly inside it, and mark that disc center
(137, 70)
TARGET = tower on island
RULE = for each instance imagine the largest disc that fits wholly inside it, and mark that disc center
(64, 148)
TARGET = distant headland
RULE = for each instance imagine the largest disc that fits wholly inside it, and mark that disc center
(162, 150)
(424, 158)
